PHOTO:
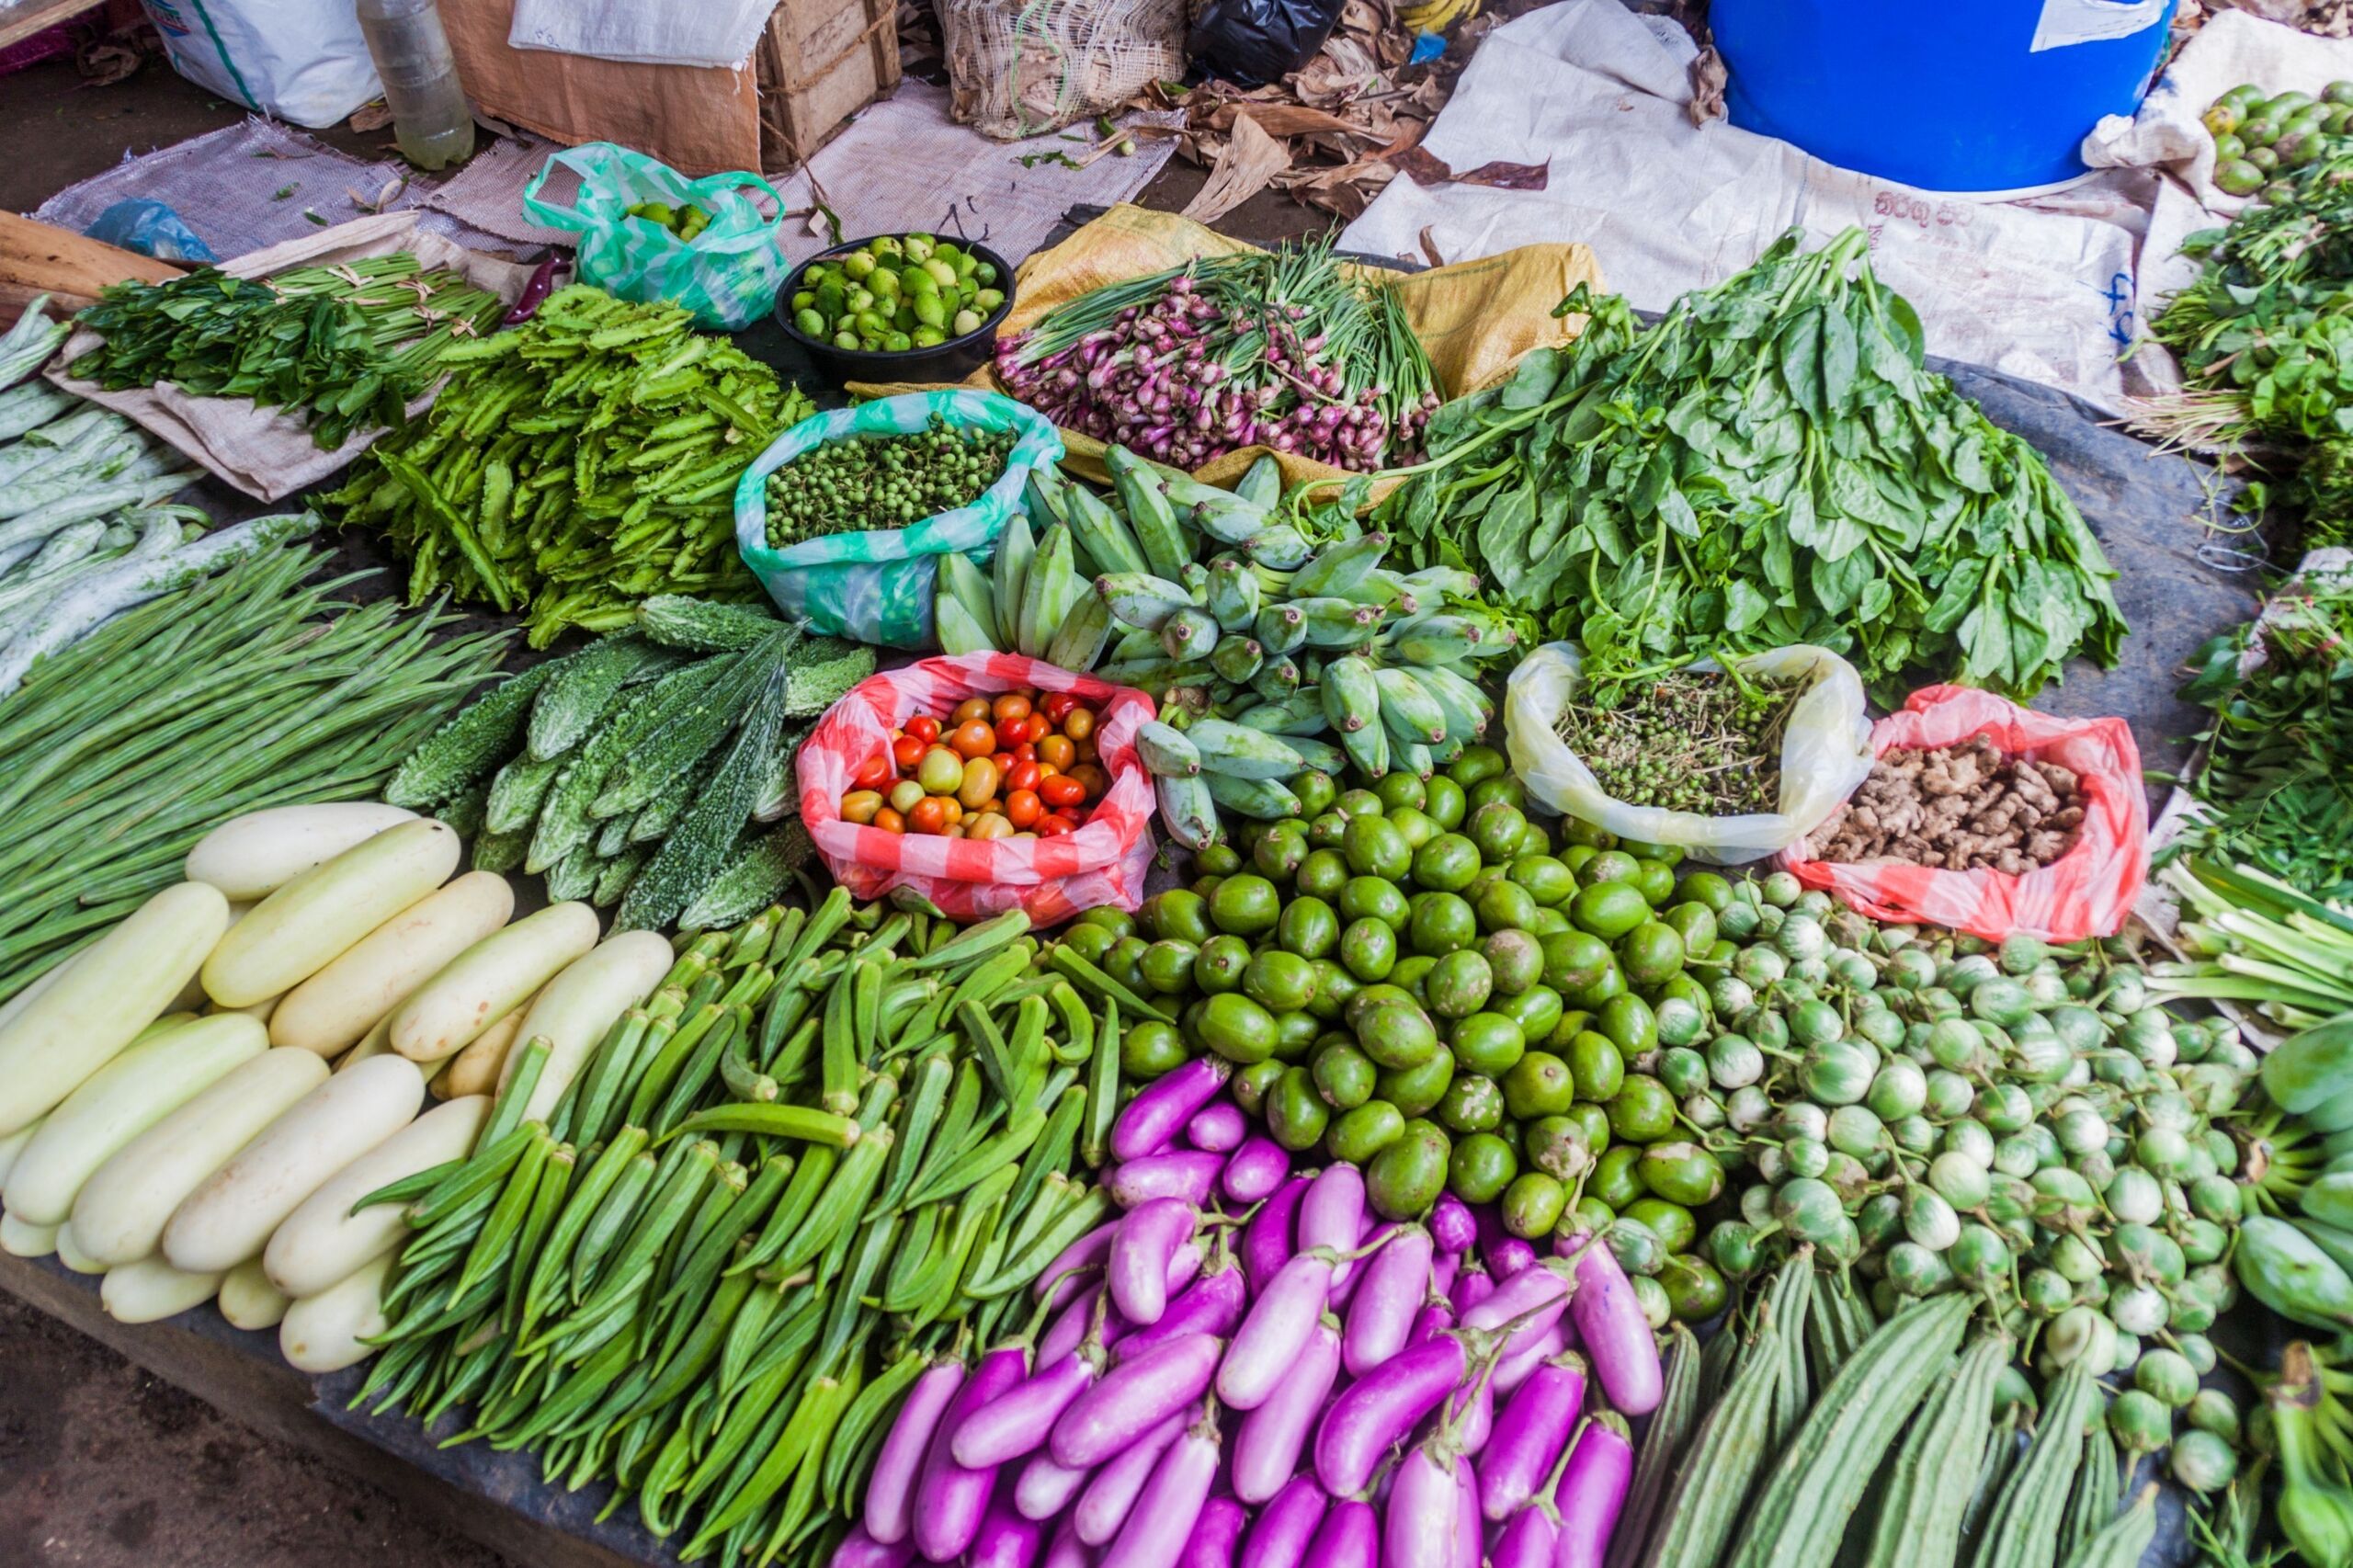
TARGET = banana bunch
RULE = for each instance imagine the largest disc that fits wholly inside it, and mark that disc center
(1034, 600)
(1436, 16)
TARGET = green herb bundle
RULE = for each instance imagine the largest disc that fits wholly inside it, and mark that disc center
(248, 690)
(577, 465)
(348, 346)
(1769, 464)
(2276, 779)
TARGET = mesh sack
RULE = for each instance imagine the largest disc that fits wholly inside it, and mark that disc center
(1018, 70)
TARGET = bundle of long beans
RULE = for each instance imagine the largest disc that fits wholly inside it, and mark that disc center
(831, 1147)
(250, 689)
(1282, 348)
(348, 345)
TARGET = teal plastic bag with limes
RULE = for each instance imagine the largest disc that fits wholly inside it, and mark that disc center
(875, 586)
(727, 274)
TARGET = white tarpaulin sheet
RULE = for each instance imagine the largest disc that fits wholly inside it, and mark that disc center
(2047, 288)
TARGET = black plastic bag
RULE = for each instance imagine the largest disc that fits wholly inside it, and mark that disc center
(1252, 43)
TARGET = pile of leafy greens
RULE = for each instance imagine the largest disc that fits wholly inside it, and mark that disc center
(1769, 465)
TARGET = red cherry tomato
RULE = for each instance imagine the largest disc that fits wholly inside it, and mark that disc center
(889, 821)
(1062, 791)
(1003, 760)
(923, 728)
(1012, 705)
(906, 751)
(1057, 704)
(874, 772)
(1060, 751)
(930, 815)
(1022, 808)
(1024, 752)
(974, 738)
(1022, 774)
(1054, 826)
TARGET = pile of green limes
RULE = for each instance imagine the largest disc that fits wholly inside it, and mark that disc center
(1414, 979)
(2259, 139)
(896, 293)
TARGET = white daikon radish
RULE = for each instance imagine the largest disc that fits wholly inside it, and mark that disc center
(13, 1145)
(306, 925)
(248, 1299)
(70, 1254)
(490, 980)
(119, 985)
(323, 1241)
(378, 1043)
(252, 855)
(476, 1068)
(192, 998)
(581, 1003)
(150, 1291)
(20, 1237)
(119, 1215)
(229, 1219)
(340, 1004)
(162, 1071)
(325, 1332)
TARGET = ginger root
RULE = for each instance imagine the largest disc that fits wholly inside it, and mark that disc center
(1963, 808)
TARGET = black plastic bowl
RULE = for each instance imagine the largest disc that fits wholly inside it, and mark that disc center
(950, 361)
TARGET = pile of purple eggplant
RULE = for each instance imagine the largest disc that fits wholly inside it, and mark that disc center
(1245, 1370)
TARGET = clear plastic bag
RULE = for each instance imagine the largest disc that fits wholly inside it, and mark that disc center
(1825, 753)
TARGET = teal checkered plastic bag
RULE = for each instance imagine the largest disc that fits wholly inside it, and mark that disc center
(875, 587)
(727, 275)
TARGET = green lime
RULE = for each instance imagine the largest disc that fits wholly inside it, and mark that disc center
(1368, 948)
(1486, 1042)
(1505, 906)
(1574, 960)
(1398, 788)
(1480, 1167)
(1594, 1119)
(1656, 881)
(1410, 972)
(1533, 1204)
(1308, 928)
(1696, 923)
(1369, 898)
(1669, 1221)
(1706, 887)
(1402, 1180)
(1357, 1134)
(1695, 1289)
(1609, 909)
(1447, 863)
(1643, 1111)
(1470, 1104)
(1538, 1084)
(1536, 1010)
(1167, 966)
(1277, 854)
(1118, 922)
(1089, 942)
(1547, 922)
(1591, 835)
(1650, 954)
(1682, 1173)
(1672, 853)
(1533, 841)
(1516, 959)
(1296, 1115)
(1177, 914)
(1629, 1023)
(1599, 1067)
(1315, 791)
(1476, 765)
(1415, 1091)
(1218, 861)
(1612, 983)
(1343, 1075)
(1440, 922)
(1237, 1028)
(1296, 1033)
(1324, 829)
(1557, 1145)
(1577, 856)
(1124, 962)
(1279, 981)
(1359, 803)
(1375, 848)
(1396, 1035)
(1548, 880)
(1614, 1180)
(1150, 1048)
(1495, 827)
(1445, 803)
(1334, 987)
(1501, 791)
(1249, 1085)
(1459, 983)
(1245, 905)
(1416, 825)
(1220, 963)
(1323, 874)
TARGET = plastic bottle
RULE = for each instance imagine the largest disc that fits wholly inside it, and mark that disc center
(431, 123)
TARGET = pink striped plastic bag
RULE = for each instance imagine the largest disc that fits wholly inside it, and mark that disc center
(969, 878)
(2087, 891)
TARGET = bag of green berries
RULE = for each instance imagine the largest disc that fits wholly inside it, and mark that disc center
(1729, 761)
(845, 517)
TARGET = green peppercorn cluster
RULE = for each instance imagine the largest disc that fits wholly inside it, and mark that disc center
(1691, 742)
(884, 481)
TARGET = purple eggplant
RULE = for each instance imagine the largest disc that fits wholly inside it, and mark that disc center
(1087, 1252)
(1349, 1537)
(1064, 1550)
(950, 1499)
(1435, 1317)
(1472, 1285)
(1217, 1530)
(1592, 1491)
(1443, 1268)
(1394, 1280)
(1522, 1307)
(1276, 1330)
(1528, 1538)
(1470, 1413)
(1016, 1422)
(1006, 1540)
(1616, 1336)
(1268, 1443)
(860, 1549)
(1141, 1250)
(1513, 1370)
(1530, 1433)
(1423, 1510)
(1044, 1489)
(1452, 1225)
(1219, 1127)
(1469, 1535)
(1213, 1304)
(1076, 1320)
(1267, 1242)
(1162, 1520)
(1104, 1506)
(1374, 1414)
(890, 1491)
(1506, 1256)
(1134, 1397)
(1278, 1537)
(1254, 1170)
(536, 289)
(1332, 1215)
(1151, 1121)
(1189, 1173)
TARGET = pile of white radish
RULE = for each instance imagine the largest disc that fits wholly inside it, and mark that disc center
(192, 1105)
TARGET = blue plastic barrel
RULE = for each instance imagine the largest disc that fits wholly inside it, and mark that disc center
(1997, 94)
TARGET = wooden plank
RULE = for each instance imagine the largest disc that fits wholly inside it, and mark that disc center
(42, 258)
(19, 23)
(495, 1499)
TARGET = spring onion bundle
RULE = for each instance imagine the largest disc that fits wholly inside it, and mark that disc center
(245, 690)
(1278, 348)
(2255, 940)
